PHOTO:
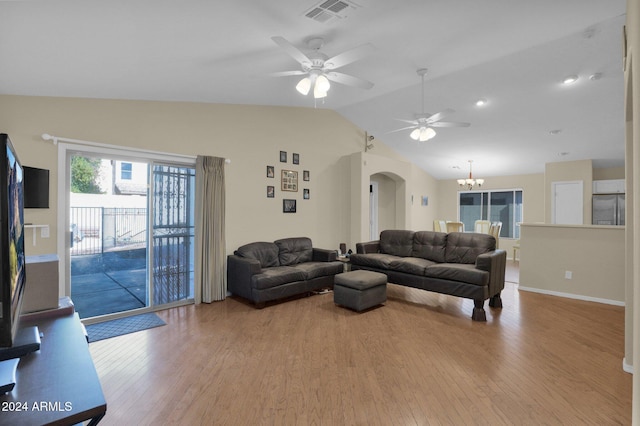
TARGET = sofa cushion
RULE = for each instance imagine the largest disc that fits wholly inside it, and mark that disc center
(294, 250)
(458, 272)
(429, 245)
(397, 242)
(265, 253)
(278, 275)
(313, 270)
(373, 260)
(411, 265)
(465, 247)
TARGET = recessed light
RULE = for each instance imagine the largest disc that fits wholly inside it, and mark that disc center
(570, 79)
(563, 154)
(481, 102)
(555, 131)
(596, 76)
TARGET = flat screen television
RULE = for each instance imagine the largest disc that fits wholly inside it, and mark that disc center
(36, 188)
(14, 341)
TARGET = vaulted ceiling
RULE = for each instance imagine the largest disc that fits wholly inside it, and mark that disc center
(514, 54)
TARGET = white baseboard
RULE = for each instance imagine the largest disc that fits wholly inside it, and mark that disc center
(626, 367)
(573, 296)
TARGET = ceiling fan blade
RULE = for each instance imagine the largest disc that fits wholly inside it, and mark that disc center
(449, 124)
(349, 80)
(286, 73)
(414, 122)
(293, 51)
(404, 128)
(439, 115)
(349, 56)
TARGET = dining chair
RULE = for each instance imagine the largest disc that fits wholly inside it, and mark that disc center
(482, 226)
(439, 226)
(455, 227)
(516, 247)
(494, 230)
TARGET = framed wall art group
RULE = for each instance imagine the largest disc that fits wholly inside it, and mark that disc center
(289, 182)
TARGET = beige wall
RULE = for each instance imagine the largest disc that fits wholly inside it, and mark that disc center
(593, 254)
(608, 173)
(632, 154)
(422, 217)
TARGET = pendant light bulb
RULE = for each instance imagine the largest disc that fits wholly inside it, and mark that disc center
(322, 83)
(304, 86)
(426, 133)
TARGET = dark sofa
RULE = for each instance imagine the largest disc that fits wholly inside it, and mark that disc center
(264, 271)
(460, 264)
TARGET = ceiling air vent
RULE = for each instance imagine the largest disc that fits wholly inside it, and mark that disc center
(328, 10)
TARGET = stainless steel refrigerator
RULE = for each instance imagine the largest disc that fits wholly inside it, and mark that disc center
(608, 209)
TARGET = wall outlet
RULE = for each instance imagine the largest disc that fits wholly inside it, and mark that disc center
(568, 275)
(44, 231)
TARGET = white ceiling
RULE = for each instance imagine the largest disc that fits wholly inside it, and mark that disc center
(514, 53)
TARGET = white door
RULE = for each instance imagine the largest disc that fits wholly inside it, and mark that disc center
(567, 205)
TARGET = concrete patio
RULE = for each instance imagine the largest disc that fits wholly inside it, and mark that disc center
(108, 283)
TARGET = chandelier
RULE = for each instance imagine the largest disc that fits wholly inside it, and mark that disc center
(470, 182)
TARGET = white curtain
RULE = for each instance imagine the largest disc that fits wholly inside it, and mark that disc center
(210, 276)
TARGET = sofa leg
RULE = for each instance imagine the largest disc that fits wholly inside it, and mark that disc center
(260, 305)
(478, 311)
(496, 301)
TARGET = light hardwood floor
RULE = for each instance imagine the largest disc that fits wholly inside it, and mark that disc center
(419, 359)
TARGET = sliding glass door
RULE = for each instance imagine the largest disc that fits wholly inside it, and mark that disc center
(131, 222)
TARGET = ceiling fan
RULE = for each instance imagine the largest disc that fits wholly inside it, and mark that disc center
(318, 68)
(424, 123)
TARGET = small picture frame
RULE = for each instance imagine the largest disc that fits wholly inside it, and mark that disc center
(296, 158)
(270, 171)
(271, 191)
(283, 156)
(305, 194)
(425, 200)
(288, 206)
(305, 175)
(289, 180)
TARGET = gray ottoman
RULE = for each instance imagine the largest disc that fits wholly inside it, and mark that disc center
(360, 290)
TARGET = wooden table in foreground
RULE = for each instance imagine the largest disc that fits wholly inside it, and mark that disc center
(58, 384)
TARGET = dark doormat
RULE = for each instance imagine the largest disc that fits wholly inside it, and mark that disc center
(120, 326)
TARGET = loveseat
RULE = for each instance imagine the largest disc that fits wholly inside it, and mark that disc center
(264, 271)
(460, 264)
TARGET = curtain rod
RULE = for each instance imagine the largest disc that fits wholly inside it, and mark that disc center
(55, 139)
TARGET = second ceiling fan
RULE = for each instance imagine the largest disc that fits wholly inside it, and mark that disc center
(424, 122)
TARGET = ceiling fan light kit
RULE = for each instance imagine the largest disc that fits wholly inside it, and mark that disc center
(320, 85)
(422, 134)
